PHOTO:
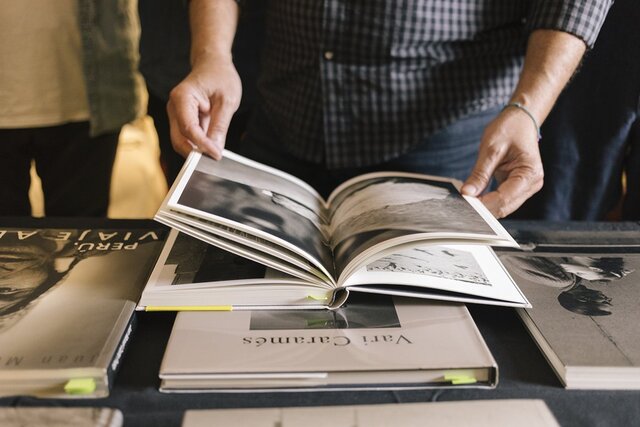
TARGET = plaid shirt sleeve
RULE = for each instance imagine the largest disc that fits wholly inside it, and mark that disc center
(582, 18)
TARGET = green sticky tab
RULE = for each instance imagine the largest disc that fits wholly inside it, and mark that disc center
(80, 386)
(458, 379)
(317, 298)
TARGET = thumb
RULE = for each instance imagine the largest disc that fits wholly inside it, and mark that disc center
(482, 172)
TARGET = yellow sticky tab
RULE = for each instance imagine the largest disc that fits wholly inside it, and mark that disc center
(80, 386)
(190, 308)
(458, 379)
(317, 298)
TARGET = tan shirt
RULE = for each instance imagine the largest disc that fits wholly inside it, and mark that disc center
(41, 76)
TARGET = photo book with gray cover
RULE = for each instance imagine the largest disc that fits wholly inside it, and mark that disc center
(584, 287)
(387, 232)
(67, 298)
(372, 342)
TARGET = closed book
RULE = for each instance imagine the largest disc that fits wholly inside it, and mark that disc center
(372, 342)
(584, 289)
(67, 299)
(477, 413)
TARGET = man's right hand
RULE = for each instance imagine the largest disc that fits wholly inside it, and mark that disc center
(200, 108)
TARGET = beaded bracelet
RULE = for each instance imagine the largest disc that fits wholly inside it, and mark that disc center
(528, 113)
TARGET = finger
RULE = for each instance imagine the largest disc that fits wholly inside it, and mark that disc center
(220, 118)
(513, 192)
(180, 144)
(186, 110)
(488, 160)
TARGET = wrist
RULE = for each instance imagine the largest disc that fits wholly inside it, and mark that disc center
(525, 110)
(207, 57)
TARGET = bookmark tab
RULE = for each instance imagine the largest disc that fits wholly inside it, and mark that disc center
(190, 308)
(80, 386)
(317, 298)
(460, 379)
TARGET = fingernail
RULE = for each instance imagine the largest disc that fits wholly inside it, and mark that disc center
(215, 154)
(469, 190)
(218, 142)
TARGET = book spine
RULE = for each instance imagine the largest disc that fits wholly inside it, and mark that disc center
(120, 349)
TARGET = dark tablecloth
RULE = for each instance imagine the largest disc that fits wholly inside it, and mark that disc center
(524, 373)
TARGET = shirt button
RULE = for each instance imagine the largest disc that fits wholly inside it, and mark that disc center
(328, 55)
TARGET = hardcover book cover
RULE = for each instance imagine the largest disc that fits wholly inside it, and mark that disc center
(584, 289)
(372, 342)
(66, 302)
(477, 413)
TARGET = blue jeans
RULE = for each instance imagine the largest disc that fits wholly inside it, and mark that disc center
(592, 136)
(450, 152)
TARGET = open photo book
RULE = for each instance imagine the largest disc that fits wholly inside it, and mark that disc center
(387, 232)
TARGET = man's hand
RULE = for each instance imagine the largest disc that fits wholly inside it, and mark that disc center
(200, 108)
(509, 151)
(509, 147)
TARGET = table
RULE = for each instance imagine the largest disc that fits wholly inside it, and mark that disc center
(524, 373)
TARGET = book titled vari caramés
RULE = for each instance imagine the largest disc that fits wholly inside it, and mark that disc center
(371, 342)
(67, 298)
(388, 232)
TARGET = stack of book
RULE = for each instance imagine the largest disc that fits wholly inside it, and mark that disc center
(274, 264)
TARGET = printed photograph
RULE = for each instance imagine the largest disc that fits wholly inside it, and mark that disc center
(582, 282)
(585, 305)
(260, 209)
(365, 312)
(61, 291)
(434, 261)
(408, 204)
(194, 261)
(232, 170)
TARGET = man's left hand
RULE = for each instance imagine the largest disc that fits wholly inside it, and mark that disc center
(509, 151)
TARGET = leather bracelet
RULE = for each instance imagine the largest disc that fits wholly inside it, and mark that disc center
(528, 113)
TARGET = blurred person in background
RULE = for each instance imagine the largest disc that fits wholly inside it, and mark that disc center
(165, 44)
(68, 83)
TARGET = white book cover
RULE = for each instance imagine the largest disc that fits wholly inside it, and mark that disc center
(376, 341)
(478, 413)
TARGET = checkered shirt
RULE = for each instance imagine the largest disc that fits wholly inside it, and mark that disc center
(351, 83)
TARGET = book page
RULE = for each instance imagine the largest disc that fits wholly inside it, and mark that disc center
(382, 206)
(469, 270)
(255, 199)
(245, 249)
